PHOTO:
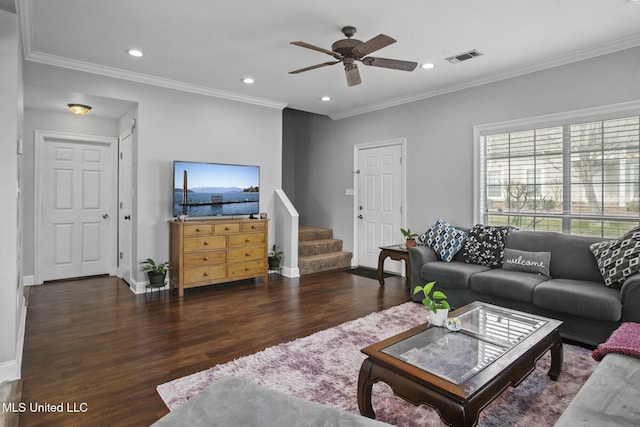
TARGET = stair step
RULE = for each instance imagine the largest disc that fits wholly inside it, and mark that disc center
(317, 247)
(306, 233)
(324, 262)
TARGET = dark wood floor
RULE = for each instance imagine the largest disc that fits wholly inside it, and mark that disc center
(94, 342)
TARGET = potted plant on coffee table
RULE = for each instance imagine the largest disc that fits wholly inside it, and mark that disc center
(437, 303)
(409, 237)
(275, 257)
(155, 272)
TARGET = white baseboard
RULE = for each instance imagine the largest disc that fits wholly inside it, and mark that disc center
(141, 287)
(11, 370)
(290, 272)
(28, 281)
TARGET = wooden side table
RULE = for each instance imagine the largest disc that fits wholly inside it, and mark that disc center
(397, 253)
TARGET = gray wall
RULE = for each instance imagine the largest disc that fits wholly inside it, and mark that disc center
(11, 291)
(177, 125)
(439, 134)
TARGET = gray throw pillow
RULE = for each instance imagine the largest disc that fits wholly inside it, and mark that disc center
(529, 262)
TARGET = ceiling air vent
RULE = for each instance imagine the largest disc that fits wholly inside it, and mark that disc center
(463, 56)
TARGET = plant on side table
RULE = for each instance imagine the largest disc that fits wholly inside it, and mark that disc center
(409, 237)
(155, 272)
(437, 303)
(275, 257)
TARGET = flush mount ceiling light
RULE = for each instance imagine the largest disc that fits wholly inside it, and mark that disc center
(325, 98)
(79, 109)
(248, 80)
(427, 66)
(135, 52)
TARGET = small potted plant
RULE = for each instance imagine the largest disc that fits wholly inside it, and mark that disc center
(437, 303)
(155, 272)
(409, 236)
(275, 257)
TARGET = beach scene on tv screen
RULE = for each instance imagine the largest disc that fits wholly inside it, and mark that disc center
(213, 189)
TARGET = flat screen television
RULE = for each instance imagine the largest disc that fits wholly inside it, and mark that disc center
(215, 189)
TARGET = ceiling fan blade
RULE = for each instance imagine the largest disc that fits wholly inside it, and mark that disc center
(319, 49)
(313, 67)
(394, 64)
(378, 42)
(353, 75)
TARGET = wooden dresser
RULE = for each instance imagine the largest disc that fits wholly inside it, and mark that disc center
(216, 251)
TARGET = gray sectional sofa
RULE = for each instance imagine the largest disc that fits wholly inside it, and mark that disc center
(574, 293)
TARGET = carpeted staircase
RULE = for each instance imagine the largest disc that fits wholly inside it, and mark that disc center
(319, 251)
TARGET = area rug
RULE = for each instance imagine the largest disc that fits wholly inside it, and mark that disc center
(324, 368)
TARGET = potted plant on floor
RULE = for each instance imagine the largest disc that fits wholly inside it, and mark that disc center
(409, 237)
(275, 257)
(437, 303)
(155, 272)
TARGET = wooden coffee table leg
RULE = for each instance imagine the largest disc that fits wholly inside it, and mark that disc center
(364, 390)
(556, 358)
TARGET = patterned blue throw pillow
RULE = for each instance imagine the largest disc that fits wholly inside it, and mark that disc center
(444, 239)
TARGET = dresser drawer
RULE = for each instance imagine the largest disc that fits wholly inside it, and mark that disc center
(197, 230)
(226, 228)
(204, 274)
(246, 269)
(195, 259)
(248, 239)
(246, 254)
(192, 244)
(256, 226)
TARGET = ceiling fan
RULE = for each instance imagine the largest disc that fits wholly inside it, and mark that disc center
(349, 50)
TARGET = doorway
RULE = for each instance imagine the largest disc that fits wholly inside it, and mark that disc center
(75, 199)
(379, 200)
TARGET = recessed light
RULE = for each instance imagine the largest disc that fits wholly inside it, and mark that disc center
(135, 52)
(248, 80)
(427, 66)
(325, 98)
(633, 1)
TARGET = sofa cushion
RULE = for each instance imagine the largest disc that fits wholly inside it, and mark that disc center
(485, 245)
(444, 239)
(570, 255)
(579, 297)
(618, 259)
(450, 275)
(513, 285)
(528, 262)
(609, 397)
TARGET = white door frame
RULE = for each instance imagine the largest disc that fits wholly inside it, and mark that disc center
(128, 279)
(41, 137)
(402, 142)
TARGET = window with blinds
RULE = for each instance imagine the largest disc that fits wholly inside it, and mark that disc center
(576, 178)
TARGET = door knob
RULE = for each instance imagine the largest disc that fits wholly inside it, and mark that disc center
(105, 216)
(360, 216)
(127, 217)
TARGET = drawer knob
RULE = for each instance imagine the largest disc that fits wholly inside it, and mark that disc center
(197, 230)
(247, 241)
(205, 258)
(206, 243)
(226, 229)
(247, 269)
(253, 227)
(205, 274)
(247, 254)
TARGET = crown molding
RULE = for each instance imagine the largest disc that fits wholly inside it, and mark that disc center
(551, 62)
(118, 73)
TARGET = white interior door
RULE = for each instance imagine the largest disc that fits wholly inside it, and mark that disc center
(125, 194)
(379, 202)
(75, 194)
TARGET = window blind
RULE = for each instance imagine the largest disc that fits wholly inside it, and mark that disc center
(579, 177)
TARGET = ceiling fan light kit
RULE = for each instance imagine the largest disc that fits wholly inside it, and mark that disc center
(350, 50)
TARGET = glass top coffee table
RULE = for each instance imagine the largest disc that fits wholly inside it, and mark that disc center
(459, 373)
